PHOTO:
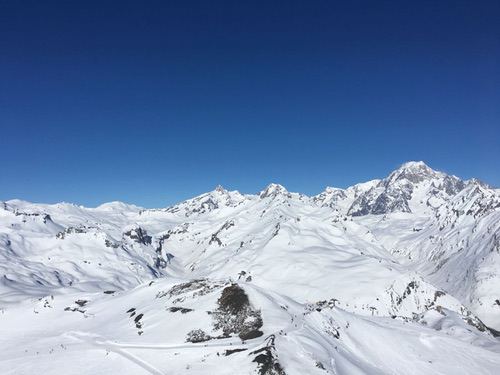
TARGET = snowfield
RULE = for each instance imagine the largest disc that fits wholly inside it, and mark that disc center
(393, 276)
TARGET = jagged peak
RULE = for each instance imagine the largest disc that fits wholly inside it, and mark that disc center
(207, 202)
(329, 197)
(221, 192)
(273, 190)
(330, 192)
(220, 189)
(475, 182)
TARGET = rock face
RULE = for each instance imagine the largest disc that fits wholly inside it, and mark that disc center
(274, 190)
(330, 197)
(394, 193)
(138, 235)
(235, 315)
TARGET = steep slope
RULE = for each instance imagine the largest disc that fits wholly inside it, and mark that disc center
(457, 248)
(444, 228)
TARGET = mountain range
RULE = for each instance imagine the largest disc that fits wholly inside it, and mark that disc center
(399, 275)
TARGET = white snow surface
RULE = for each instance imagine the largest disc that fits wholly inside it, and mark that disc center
(393, 276)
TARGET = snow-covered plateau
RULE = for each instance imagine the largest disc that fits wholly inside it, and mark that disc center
(393, 276)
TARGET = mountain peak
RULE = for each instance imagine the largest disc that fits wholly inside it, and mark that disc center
(413, 171)
(118, 206)
(475, 182)
(273, 190)
(414, 165)
(331, 189)
(220, 189)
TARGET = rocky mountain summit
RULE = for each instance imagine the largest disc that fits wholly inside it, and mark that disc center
(395, 192)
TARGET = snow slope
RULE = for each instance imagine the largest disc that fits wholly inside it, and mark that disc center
(101, 336)
(397, 275)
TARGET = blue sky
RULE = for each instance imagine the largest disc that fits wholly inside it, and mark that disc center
(153, 102)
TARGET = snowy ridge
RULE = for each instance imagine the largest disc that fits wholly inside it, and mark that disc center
(272, 283)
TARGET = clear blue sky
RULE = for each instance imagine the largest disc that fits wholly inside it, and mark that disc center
(151, 102)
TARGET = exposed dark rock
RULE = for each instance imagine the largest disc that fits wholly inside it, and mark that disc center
(138, 318)
(183, 310)
(494, 332)
(320, 365)
(71, 230)
(111, 244)
(250, 334)
(74, 309)
(198, 287)
(45, 217)
(267, 359)
(233, 299)
(197, 335)
(236, 316)
(232, 351)
(139, 235)
(225, 226)
(437, 294)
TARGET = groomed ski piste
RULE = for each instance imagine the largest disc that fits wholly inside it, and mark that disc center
(393, 276)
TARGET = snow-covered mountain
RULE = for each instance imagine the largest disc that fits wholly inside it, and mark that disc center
(393, 276)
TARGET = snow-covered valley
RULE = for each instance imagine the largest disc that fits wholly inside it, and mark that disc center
(393, 276)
